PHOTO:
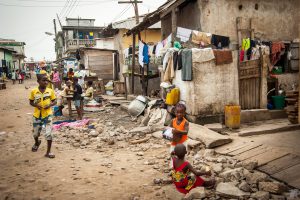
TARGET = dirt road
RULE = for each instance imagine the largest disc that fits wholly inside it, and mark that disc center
(75, 173)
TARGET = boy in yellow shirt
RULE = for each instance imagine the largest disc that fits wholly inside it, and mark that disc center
(42, 99)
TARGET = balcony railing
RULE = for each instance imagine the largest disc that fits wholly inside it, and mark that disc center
(76, 43)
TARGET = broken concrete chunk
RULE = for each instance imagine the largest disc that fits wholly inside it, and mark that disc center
(244, 186)
(193, 143)
(157, 134)
(217, 167)
(140, 130)
(210, 138)
(261, 195)
(196, 193)
(255, 177)
(229, 190)
(272, 187)
(250, 165)
(233, 174)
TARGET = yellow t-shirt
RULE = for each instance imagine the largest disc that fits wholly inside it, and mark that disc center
(89, 93)
(43, 99)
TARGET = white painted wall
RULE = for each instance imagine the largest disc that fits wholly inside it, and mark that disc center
(213, 87)
(105, 43)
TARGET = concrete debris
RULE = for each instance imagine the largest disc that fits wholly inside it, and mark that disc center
(255, 177)
(244, 186)
(210, 138)
(196, 193)
(229, 190)
(273, 187)
(261, 195)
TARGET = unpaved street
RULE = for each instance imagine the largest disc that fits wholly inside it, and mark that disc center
(115, 172)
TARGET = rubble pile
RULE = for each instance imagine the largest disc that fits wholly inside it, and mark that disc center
(114, 129)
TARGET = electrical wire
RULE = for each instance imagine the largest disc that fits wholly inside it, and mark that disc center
(121, 13)
(51, 6)
(71, 8)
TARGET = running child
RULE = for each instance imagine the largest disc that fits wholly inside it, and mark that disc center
(42, 99)
(181, 173)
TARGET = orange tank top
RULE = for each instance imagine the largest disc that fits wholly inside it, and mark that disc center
(179, 127)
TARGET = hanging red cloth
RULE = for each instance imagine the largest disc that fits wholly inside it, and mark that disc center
(276, 49)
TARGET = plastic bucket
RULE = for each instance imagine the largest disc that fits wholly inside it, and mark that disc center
(233, 116)
(279, 102)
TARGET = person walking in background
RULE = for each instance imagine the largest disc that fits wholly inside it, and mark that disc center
(13, 76)
(56, 79)
(19, 76)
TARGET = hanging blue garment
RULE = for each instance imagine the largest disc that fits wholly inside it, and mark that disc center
(146, 54)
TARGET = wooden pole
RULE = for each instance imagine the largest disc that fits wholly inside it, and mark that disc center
(133, 63)
(299, 81)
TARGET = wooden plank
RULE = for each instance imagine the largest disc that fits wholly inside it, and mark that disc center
(244, 149)
(229, 148)
(280, 164)
(251, 153)
(268, 156)
(291, 176)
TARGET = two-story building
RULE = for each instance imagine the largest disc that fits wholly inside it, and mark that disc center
(77, 33)
(17, 51)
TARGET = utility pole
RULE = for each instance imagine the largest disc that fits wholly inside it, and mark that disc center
(55, 34)
(136, 10)
(137, 19)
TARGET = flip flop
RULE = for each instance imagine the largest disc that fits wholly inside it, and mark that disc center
(36, 147)
(50, 155)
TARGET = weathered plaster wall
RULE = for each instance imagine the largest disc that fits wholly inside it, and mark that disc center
(285, 81)
(166, 26)
(1, 55)
(273, 19)
(213, 87)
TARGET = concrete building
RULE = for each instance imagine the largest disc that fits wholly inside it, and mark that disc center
(18, 53)
(262, 20)
(6, 60)
(77, 33)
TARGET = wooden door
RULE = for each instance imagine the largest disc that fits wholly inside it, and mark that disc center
(250, 84)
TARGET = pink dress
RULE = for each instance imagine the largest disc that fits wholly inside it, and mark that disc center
(56, 78)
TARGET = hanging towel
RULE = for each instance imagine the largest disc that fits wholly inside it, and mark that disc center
(141, 50)
(223, 57)
(145, 54)
(246, 44)
(201, 38)
(220, 41)
(186, 71)
(242, 53)
(202, 55)
(169, 72)
(276, 49)
(175, 60)
(179, 60)
(183, 34)
(159, 47)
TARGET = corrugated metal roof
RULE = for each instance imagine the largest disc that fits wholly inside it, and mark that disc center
(131, 22)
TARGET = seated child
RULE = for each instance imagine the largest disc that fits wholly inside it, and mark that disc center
(89, 93)
(62, 94)
(180, 127)
(181, 173)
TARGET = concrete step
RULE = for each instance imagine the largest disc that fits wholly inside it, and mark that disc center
(253, 115)
(267, 127)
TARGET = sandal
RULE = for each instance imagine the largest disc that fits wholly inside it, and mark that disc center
(50, 155)
(36, 147)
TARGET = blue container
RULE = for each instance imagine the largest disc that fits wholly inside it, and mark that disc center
(56, 111)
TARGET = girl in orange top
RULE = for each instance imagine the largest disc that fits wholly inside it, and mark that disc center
(180, 127)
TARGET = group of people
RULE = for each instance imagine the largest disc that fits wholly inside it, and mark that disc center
(43, 97)
(18, 75)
